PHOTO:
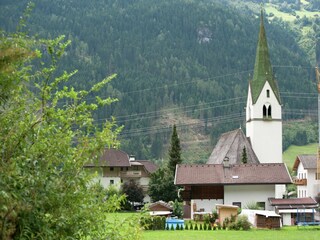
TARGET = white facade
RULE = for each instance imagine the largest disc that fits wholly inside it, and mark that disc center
(233, 194)
(207, 204)
(264, 125)
(310, 188)
(246, 194)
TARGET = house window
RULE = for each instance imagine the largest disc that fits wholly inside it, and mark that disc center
(261, 205)
(111, 168)
(121, 169)
(111, 182)
(268, 93)
(237, 204)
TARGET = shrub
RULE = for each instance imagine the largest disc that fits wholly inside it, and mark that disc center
(186, 227)
(191, 226)
(167, 227)
(219, 226)
(209, 227)
(243, 222)
(178, 227)
(196, 227)
(207, 218)
(153, 223)
(200, 227)
(171, 228)
(205, 226)
(178, 208)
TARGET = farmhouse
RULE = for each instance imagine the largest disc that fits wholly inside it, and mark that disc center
(115, 167)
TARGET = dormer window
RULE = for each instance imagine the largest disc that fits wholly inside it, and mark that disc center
(268, 93)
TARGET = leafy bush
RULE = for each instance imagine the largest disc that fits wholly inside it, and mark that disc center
(153, 223)
(196, 227)
(177, 208)
(243, 222)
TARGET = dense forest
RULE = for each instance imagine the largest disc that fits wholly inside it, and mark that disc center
(186, 62)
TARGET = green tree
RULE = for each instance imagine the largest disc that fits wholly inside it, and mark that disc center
(47, 134)
(133, 191)
(244, 157)
(174, 151)
(161, 186)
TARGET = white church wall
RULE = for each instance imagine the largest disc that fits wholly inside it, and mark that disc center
(246, 194)
(265, 132)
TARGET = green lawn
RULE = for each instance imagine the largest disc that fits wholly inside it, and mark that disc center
(288, 233)
(289, 156)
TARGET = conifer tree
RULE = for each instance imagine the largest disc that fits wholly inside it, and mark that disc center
(175, 151)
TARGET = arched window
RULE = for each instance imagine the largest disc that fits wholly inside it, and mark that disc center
(264, 111)
(269, 112)
(268, 93)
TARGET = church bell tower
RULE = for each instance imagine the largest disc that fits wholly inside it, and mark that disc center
(263, 109)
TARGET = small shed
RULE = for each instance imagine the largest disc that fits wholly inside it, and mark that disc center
(263, 218)
(226, 211)
(160, 208)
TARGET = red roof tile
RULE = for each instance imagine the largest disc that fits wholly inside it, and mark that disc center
(217, 174)
(292, 201)
(150, 166)
(112, 158)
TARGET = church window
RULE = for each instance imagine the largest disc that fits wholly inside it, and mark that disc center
(264, 110)
(268, 93)
(269, 111)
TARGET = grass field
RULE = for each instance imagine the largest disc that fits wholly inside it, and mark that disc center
(288, 233)
(289, 156)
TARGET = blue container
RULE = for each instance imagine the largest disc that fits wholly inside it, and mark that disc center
(174, 222)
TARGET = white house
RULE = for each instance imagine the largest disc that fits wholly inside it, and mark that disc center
(305, 167)
(116, 167)
(206, 185)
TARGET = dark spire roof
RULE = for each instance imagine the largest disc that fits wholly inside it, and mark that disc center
(231, 145)
(262, 67)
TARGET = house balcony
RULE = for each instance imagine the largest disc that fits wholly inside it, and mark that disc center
(130, 174)
(300, 182)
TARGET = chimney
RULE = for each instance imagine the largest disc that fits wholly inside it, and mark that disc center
(131, 158)
(226, 163)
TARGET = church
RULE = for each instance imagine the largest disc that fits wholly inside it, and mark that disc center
(243, 169)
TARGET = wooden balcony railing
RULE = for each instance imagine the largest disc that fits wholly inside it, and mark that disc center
(300, 182)
(130, 174)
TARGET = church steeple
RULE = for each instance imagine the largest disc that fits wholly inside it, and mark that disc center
(262, 67)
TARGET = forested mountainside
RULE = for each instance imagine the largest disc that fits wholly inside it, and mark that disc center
(185, 61)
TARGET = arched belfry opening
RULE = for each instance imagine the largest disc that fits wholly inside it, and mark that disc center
(267, 111)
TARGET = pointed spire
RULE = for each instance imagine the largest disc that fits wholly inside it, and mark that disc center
(262, 67)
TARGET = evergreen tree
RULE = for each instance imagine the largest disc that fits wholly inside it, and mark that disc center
(244, 157)
(175, 151)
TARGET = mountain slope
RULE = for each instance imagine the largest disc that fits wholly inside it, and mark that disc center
(170, 56)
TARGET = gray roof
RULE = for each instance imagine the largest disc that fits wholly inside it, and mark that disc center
(231, 145)
(308, 161)
(238, 174)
